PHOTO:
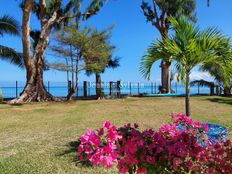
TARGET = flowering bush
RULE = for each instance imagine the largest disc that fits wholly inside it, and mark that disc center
(179, 147)
(99, 148)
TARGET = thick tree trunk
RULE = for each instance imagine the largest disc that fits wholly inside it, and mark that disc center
(165, 76)
(34, 89)
(187, 95)
(98, 86)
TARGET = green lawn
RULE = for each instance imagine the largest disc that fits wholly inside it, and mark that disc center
(41, 137)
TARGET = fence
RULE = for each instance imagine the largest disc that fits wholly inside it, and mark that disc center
(60, 89)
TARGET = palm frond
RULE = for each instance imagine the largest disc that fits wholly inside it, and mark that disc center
(8, 25)
(10, 55)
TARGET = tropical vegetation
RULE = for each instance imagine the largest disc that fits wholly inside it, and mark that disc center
(86, 50)
(52, 15)
(188, 47)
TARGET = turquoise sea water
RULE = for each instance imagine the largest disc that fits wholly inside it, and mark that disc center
(60, 89)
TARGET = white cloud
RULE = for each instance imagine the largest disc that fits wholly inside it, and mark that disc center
(196, 75)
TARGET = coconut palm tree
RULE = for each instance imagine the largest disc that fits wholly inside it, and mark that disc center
(187, 48)
(8, 25)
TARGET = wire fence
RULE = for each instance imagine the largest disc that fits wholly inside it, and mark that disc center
(60, 89)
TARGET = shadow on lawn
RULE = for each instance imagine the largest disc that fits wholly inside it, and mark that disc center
(71, 153)
(226, 100)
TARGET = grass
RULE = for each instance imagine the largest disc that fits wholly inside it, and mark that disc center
(41, 137)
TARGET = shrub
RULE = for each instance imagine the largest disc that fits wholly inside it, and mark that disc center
(179, 147)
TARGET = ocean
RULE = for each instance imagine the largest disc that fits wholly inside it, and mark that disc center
(60, 89)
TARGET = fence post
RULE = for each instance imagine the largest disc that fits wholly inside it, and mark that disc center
(77, 90)
(151, 87)
(198, 86)
(16, 85)
(155, 87)
(118, 89)
(130, 88)
(48, 86)
(111, 85)
(69, 85)
(176, 87)
(89, 86)
(138, 88)
(85, 88)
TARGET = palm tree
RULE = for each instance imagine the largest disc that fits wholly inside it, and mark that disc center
(205, 83)
(188, 47)
(157, 13)
(8, 25)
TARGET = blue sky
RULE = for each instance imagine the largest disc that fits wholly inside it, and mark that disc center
(132, 35)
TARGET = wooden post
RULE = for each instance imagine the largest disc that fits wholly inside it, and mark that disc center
(176, 87)
(151, 87)
(138, 88)
(16, 90)
(89, 89)
(198, 86)
(85, 88)
(130, 88)
(69, 85)
(118, 89)
(48, 86)
(217, 89)
(111, 86)
(155, 87)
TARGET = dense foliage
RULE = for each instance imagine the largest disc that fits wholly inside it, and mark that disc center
(168, 150)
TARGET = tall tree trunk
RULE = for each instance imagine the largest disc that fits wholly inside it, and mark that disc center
(187, 95)
(165, 65)
(165, 73)
(98, 86)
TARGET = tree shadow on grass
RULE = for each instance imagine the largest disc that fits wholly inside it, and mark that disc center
(226, 100)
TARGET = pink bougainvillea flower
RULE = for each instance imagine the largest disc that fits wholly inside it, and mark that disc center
(107, 125)
(189, 164)
(176, 162)
(90, 137)
(142, 170)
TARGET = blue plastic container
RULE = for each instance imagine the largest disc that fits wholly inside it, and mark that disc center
(216, 133)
